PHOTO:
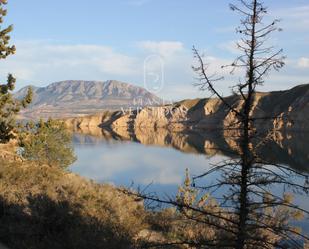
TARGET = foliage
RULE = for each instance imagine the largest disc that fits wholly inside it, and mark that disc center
(201, 214)
(9, 107)
(47, 143)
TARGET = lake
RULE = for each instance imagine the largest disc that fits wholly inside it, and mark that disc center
(157, 160)
(124, 162)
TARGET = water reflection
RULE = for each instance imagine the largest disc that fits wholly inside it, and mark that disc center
(123, 162)
(283, 148)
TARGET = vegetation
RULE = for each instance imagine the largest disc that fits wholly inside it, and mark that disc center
(9, 107)
(198, 220)
(48, 143)
(50, 208)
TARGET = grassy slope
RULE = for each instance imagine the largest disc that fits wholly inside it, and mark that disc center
(49, 208)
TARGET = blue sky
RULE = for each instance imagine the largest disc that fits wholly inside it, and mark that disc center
(101, 40)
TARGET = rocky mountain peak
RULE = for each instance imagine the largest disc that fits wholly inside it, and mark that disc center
(78, 97)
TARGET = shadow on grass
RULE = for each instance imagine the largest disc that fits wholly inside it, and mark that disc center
(49, 224)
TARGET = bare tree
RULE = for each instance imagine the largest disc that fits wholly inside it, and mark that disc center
(248, 215)
(252, 175)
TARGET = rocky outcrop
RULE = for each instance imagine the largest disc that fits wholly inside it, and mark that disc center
(281, 110)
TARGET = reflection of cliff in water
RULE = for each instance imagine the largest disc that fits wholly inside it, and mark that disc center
(283, 148)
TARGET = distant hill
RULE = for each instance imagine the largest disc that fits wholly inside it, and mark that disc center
(78, 98)
(280, 110)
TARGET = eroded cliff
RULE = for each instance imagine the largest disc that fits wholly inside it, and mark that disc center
(282, 110)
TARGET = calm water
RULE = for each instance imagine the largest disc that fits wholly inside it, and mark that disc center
(158, 161)
(127, 162)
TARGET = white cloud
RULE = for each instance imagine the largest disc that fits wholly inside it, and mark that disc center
(42, 61)
(303, 62)
(293, 18)
(157, 164)
(230, 46)
(163, 48)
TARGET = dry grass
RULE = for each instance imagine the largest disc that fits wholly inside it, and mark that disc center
(44, 207)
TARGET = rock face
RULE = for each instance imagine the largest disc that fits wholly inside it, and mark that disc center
(282, 110)
(78, 98)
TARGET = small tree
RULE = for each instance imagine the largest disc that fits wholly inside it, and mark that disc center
(47, 143)
(9, 107)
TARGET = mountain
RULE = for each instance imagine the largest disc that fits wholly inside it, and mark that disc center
(78, 98)
(281, 110)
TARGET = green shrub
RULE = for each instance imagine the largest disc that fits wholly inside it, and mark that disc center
(47, 143)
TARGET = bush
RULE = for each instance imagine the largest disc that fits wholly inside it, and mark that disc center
(47, 143)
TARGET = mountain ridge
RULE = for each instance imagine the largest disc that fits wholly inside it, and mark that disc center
(279, 110)
(78, 97)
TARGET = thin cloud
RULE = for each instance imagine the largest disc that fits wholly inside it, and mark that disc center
(293, 19)
(163, 48)
(303, 62)
(230, 46)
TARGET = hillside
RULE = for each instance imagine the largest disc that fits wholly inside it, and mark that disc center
(282, 110)
(46, 207)
(77, 98)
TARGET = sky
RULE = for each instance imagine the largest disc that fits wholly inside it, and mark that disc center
(144, 42)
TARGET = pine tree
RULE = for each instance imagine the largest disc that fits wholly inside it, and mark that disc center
(47, 143)
(9, 107)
